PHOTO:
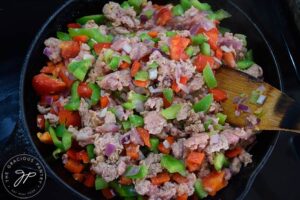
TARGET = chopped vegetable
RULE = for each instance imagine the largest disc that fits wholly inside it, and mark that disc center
(214, 182)
(201, 193)
(168, 94)
(74, 166)
(100, 183)
(93, 33)
(74, 101)
(132, 151)
(99, 19)
(145, 136)
(136, 120)
(135, 68)
(173, 165)
(199, 5)
(219, 161)
(254, 96)
(160, 178)
(125, 180)
(205, 49)
(165, 48)
(233, 152)
(114, 63)
(202, 61)
(63, 36)
(80, 68)
(219, 15)
(103, 45)
(177, 47)
(218, 94)
(221, 117)
(90, 151)
(186, 4)
(95, 93)
(261, 99)
(136, 172)
(199, 39)
(177, 10)
(45, 137)
(171, 112)
(164, 15)
(209, 77)
(136, 4)
(141, 76)
(244, 64)
(123, 190)
(194, 160)
(204, 104)
(179, 178)
(154, 144)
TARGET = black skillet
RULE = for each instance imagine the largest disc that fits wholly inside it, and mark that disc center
(72, 9)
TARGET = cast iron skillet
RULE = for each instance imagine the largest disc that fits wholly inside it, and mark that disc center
(238, 23)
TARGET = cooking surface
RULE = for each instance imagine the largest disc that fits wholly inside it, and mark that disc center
(21, 19)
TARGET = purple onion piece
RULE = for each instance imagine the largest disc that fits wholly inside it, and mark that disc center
(47, 51)
(243, 107)
(125, 139)
(109, 149)
(143, 19)
(49, 100)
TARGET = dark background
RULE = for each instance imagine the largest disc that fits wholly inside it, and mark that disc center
(21, 19)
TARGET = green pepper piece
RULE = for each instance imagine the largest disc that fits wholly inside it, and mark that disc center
(59, 130)
(90, 151)
(171, 112)
(54, 138)
(207, 123)
(205, 49)
(74, 102)
(200, 6)
(136, 4)
(177, 10)
(98, 19)
(132, 96)
(153, 65)
(100, 183)
(254, 96)
(142, 172)
(204, 104)
(222, 118)
(186, 4)
(219, 15)
(126, 58)
(96, 93)
(123, 190)
(199, 189)
(168, 94)
(199, 39)
(108, 55)
(149, 13)
(173, 165)
(170, 33)
(136, 120)
(126, 125)
(114, 63)
(128, 105)
(80, 68)
(154, 144)
(249, 55)
(145, 36)
(91, 43)
(56, 153)
(209, 77)
(244, 64)
(63, 36)
(219, 161)
(66, 140)
(47, 125)
(190, 51)
(141, 76)
(93, 33)
(125, 5)
(165, 48)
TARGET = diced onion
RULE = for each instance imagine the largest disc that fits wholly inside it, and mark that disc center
(153, 74)
(109, 149)
(103, 112)
(261, 99)
(166, 144)
(155, 90)
(133, 171)
(226, 49)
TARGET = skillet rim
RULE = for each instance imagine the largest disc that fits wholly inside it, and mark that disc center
(61, 181)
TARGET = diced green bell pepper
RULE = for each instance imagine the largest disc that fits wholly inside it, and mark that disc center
(56, 153)
(114, 63)
(170, 33)
(173, 165)
(128, 105)
(171, 112)
(80, 68)
(209, 77)
(200, 6)
(125, 5)
(249, 55)
(66, 140)
(168, 94)
(93, 33)
(133, 96)
(205, 49)
(186, 4)
(149, 13)
(177, 10)
(142, 172)
(219, 15)
(136, 4)
(74, 101)
(126, 58)
(63, 36)
(136, 120)
(100, 183)
(199, 39)
(123, 190)
(90, 151)
(165, 48)
(222, 118)
(244, 64)
(98, 19)
(145, 36)
(219, 161)
(47, 125)
(96, 92)
(91, 43)
(54, 138)
(154, 144)
(190, 51)
(59, 130)
(141, 76)
(153, 65)
(207, 123)
(108, 55)
(201, 193)
(204, 104)
(126, 125)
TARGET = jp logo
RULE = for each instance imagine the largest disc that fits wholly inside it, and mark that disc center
(23, 176)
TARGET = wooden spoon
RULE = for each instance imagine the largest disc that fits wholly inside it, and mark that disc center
(279, 112)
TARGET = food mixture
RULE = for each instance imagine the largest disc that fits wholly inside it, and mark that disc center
(130, 104)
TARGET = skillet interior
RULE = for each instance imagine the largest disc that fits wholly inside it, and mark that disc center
(238, 23)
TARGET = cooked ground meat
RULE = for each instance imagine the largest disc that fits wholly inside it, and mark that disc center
(154, 122)
(84, 136)
(116, 80)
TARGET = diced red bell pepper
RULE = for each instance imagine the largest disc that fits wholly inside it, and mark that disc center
(213, 36)
(40, 121)
(73, 166)
(108, 193)
(177, 47)
(64, 77)
(69, 118)
(73, 25)
(202, 60)
(81, 38)
(229, 59)
(214, 182)
(218, 94)
(234, 152)
(84, 90)
(89, 180)
(82, 156)
(164, 15)
(69, 49)
(99, 46)
(45, 85)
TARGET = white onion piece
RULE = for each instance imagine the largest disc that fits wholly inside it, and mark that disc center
(153, 74)
(103, 112)
(127, 48)
(261, 99)
(155, 90)
(166, 144)
(226, 49)
(214, 139)
(88, 56)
